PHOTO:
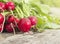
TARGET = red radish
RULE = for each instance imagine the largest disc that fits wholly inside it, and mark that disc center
(1, 18)
(2, 6)
(33, 20)
(24, 25)
(10, 6)
(11, 19)
(9, 28)
(17, 20)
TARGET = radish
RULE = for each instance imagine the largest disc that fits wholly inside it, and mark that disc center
(2, 6)
(10, 6)
(33, 20)
(9, 28)
(11, 19)
(24, 25)
(17, 20)
(1, 18)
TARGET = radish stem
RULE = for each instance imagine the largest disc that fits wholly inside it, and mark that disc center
(11, 12)
(18, 13)
(13, 28)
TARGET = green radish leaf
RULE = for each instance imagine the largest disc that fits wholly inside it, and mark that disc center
(40, 22)
(52, 25)
(17, 1)
(5, 0)
(45, 8)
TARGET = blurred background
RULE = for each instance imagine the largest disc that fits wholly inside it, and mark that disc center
(53, 3)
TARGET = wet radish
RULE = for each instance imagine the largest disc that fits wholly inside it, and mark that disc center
(10, 6)
(33, 20)
(24, 25)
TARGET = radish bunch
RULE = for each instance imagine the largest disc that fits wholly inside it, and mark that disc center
(11, 22)
(22, 16)
(24, 24)
(6, 6)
